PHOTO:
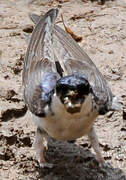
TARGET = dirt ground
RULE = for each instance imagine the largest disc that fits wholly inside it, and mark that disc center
(103, 29)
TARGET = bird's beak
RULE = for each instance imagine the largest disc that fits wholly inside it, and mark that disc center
(70, 107)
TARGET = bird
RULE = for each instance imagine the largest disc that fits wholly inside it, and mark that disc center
(63, 89)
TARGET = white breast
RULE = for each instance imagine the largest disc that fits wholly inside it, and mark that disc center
(65, 126)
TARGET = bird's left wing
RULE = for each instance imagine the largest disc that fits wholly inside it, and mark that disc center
(39, 73)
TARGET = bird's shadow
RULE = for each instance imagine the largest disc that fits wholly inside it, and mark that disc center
(73, 162)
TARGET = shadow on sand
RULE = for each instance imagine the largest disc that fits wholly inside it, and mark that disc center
(73, 162)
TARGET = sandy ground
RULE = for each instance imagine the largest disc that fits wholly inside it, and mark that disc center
(103, 28)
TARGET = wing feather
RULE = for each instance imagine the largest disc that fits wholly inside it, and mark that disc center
(76, 60)
(39, 73)
(40, 45)
(63, 56)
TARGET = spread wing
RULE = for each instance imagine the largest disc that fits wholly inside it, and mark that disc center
(51, 54)
(73, 59)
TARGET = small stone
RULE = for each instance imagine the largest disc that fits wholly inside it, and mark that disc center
(124, 114)
(28, 29)
(111, 52)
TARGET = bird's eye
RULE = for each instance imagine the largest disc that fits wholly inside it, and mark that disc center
(61, 89)
(83, 89)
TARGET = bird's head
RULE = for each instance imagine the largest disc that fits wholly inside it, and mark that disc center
(72, 91)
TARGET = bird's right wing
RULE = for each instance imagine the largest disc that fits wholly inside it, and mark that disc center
(72, 59)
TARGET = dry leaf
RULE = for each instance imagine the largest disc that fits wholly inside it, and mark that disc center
(86, 15)
(68, 30)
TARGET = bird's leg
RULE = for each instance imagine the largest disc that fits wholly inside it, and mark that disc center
(95, 144)
(40, 145)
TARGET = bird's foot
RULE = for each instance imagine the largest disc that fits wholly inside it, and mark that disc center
(40, 145)
(41, 159)
(95, 144)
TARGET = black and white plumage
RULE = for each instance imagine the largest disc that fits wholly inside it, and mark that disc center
(63, 88)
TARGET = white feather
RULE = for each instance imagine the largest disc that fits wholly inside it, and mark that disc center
(65, 126)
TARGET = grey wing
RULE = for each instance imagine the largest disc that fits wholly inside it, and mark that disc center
(72, 58)
(40, 45)
(39, 73)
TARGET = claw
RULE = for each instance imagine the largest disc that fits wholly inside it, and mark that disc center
(46, 165)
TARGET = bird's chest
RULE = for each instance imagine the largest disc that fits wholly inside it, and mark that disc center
(65, 126)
